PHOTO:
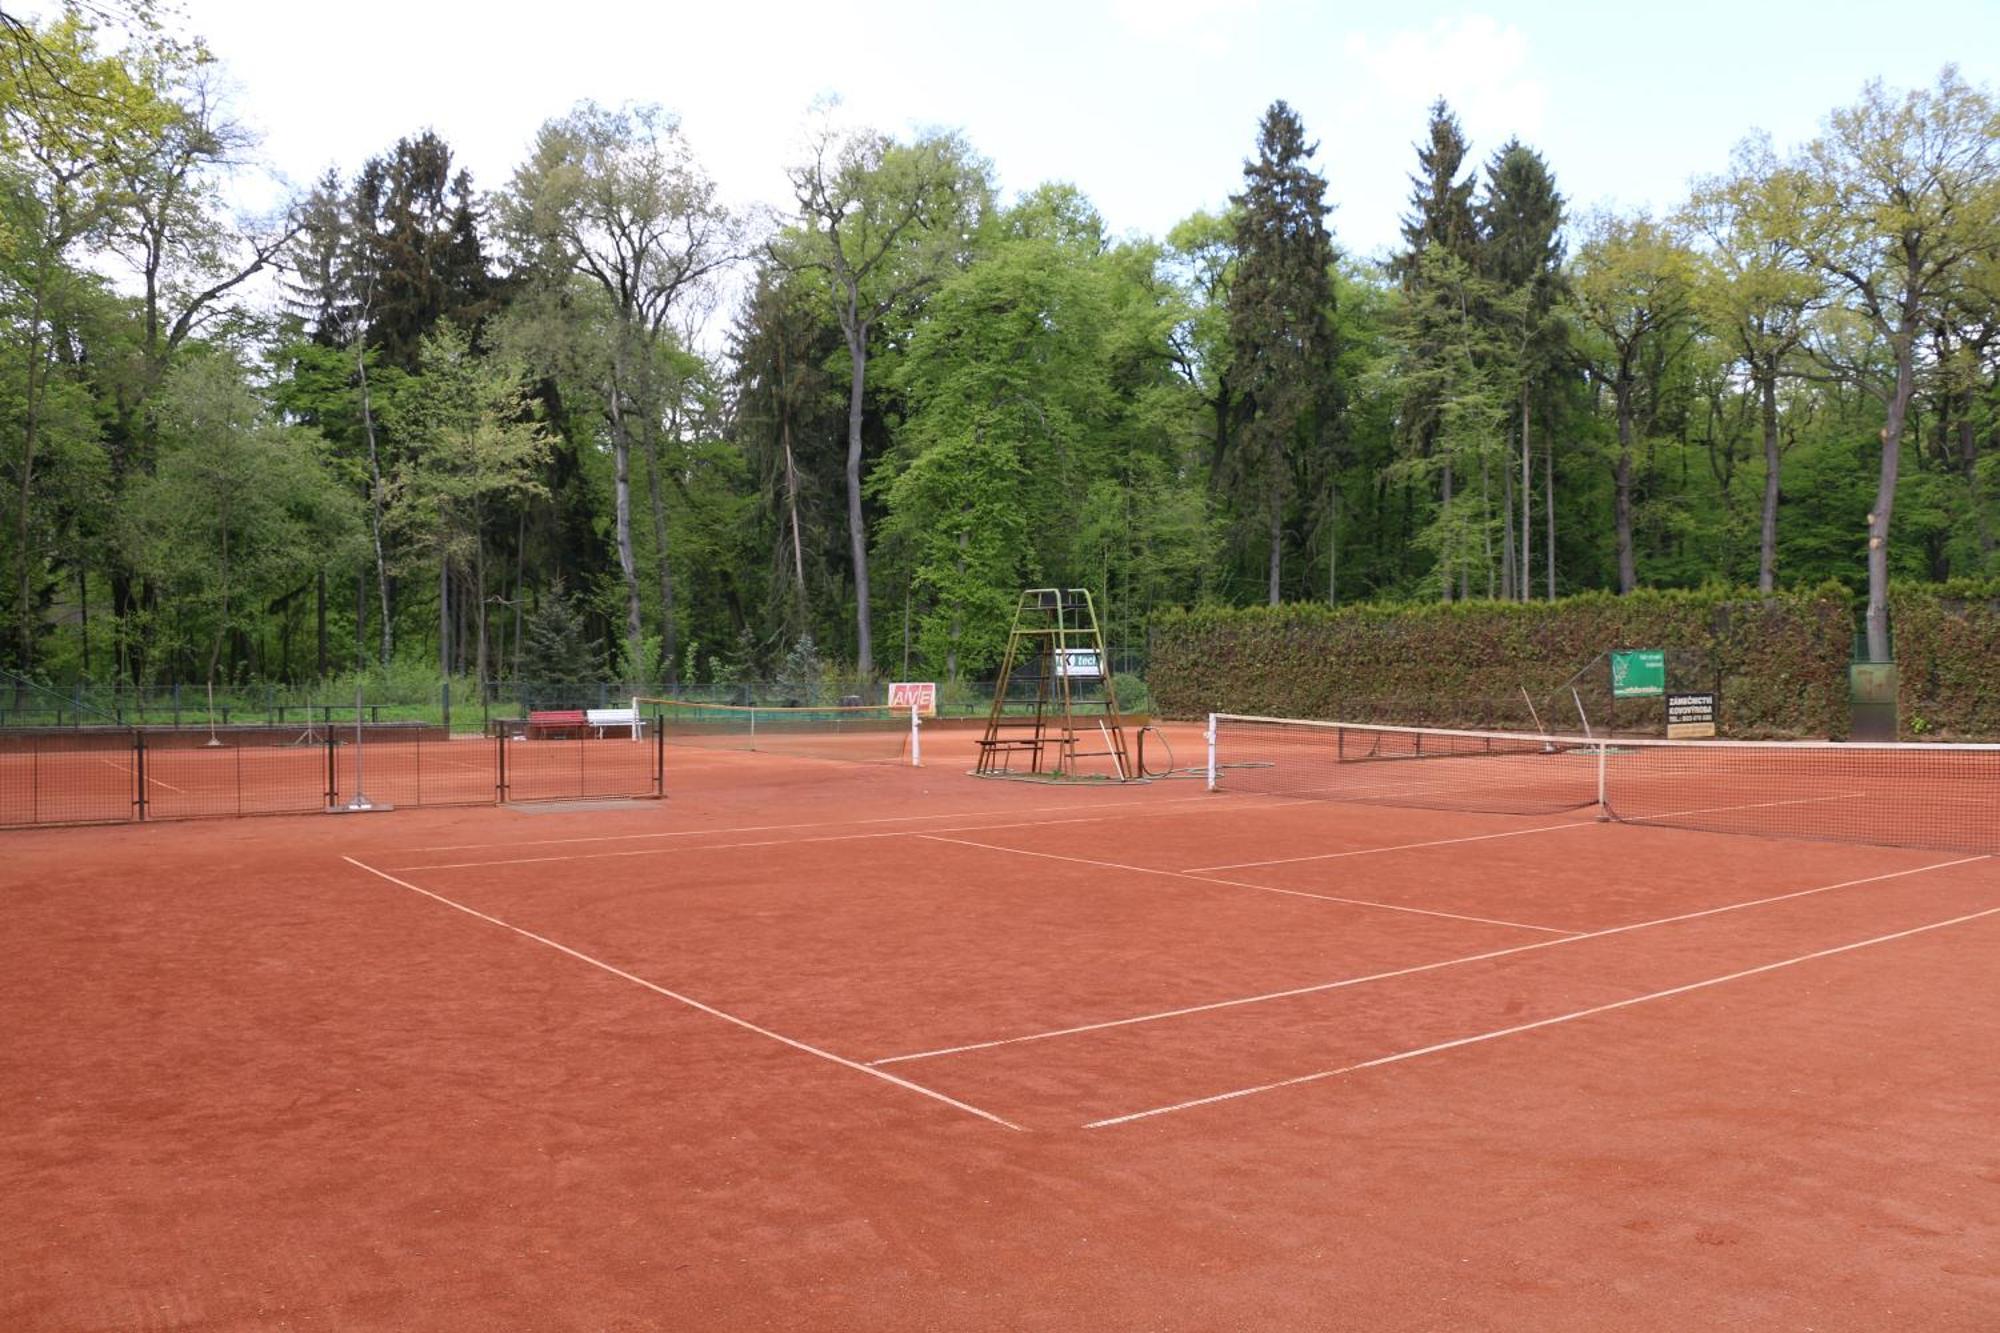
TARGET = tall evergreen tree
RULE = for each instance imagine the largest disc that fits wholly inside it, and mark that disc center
(1441, 248)
(1280, 325)
(1520, 219)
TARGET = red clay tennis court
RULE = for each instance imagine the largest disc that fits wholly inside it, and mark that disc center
(816, 1044)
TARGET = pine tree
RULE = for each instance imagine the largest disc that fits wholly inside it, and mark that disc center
(1280, 324)
(557, 658)
(1520, 223)
(1441, 253)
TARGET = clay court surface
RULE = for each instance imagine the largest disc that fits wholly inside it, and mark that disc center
(816, 1044)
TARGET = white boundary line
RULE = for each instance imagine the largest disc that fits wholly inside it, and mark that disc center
(1519, 1028)
(1399, 847)
(126, 769)
(686, 850)
(825, 823)
(1414, 970)
(692, 1003)
(1243, 884)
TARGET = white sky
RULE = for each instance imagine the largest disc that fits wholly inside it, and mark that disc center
(1149, 106)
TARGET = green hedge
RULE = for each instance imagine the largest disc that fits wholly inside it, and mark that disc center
(1947, 638)
(1779, 663)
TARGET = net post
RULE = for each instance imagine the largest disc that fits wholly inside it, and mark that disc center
(659, 755)
(1211, 752)
(916, 738)
(139, 773)
(500, 766)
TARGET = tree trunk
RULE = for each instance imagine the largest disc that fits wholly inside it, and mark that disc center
(792, 518)
(1549, 508)
(1450, 539)
(1628, 577)
(444, 617)
(319, 625)
(669, 648)
(1332, 543)
(857, 535)
(1885, 498)
(1507, 564)
(1277, 533)
(621, 471)
(1527, 581)
(374, 498)
(1767, 551)
(24, 526)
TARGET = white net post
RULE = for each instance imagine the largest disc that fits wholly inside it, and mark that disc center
(1211, 752)
(916, 738)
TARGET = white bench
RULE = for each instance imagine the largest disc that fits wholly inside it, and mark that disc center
(614, 719)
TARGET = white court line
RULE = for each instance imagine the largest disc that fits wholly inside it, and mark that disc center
(1242, 884)
(126, 769)
(692, 1003)
(1397, 847)
(1724, 809)
(1344, 982)
(827, 823)
(775, 842)
(1519, 1028)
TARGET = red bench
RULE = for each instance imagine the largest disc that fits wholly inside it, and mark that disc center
(558, 724)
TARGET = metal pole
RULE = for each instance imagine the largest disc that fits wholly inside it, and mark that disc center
(1211, 752)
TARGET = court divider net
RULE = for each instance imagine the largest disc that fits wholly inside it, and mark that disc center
(852, 733)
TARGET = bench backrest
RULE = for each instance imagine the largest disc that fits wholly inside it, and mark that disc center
(613, 717)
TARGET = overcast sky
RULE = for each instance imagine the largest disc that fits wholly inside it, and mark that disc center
(1149, 106)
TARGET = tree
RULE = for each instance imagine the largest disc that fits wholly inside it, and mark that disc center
(70, 118)
(473, 445)
(1632, 295)
(884, 223)
(1520, 220)
(616, 198)
(1893, 204)
(1280, 323)
(238, 508)
(1439, 259)
(1754, 288)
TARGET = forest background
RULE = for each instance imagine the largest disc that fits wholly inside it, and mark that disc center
(591, 424)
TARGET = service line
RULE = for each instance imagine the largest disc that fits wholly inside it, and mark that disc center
(689, 1001)
(1344, 982)
(1517, 1029)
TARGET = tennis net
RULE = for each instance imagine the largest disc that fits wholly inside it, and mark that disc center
(852, 733)
(1941, 797)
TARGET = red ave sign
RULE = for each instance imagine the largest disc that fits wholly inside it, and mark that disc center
(918, 694)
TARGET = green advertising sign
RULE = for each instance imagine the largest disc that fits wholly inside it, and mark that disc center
(1639, 674)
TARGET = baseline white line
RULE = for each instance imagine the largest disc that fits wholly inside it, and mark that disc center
(1243, 884)
(824, 823)
(1396, 847)
(689, 1001)
(1413, 970)
(1519, 1028)
(768, 842)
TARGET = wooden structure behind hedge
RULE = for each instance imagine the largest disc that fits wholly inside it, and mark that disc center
(1779, 662)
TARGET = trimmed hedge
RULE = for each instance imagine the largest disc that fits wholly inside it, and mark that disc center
(1947, 639)
(1779, 663)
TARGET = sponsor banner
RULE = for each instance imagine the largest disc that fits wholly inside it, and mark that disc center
(1690, 717)
(918, 694)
